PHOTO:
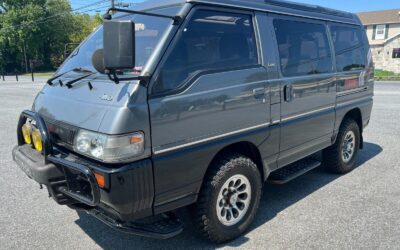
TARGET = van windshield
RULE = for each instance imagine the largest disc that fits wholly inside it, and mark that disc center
(149, 31)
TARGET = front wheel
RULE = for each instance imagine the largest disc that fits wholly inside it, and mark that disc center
(229, 198)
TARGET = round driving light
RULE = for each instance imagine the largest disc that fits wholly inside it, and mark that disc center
(26, 133)
(37, 140)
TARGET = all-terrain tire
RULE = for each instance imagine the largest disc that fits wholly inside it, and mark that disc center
(334, 158)
(220, 176)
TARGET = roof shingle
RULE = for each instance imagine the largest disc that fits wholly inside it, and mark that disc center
(380, 17)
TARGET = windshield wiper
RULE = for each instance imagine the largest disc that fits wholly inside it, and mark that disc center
(79, 69)
(71, 83)
(50, 81)
(83, 70)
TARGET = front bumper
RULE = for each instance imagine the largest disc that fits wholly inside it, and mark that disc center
(128, 198)
(69, 178)
(31, 162)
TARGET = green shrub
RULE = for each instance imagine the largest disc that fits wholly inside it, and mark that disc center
(383, 73)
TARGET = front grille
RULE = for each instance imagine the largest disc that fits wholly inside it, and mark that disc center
(60, 133)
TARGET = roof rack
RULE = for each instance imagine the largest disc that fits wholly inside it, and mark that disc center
(308, 7)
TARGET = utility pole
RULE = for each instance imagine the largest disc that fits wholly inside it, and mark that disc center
(26, 61)
(112, 3)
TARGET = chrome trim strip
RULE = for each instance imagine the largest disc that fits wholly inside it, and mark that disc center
(276, 122)
(156, 152)
(183, 93)
(352, 91)
(307, 113)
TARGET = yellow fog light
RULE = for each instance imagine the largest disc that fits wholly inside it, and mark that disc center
(37, 140)
(26, 132)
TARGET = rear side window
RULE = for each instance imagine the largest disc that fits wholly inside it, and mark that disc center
(303, 48)
(212, 40)
(349, 48)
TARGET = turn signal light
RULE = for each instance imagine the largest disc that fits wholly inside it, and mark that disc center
(100, 180)
(136, 139)
(26, 133)
(37, 140)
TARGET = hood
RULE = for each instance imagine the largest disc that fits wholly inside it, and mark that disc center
(106, 107)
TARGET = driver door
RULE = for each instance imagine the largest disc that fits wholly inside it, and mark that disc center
(210, 86)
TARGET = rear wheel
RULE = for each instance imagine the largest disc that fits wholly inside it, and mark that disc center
(229, 198)
(341, 157)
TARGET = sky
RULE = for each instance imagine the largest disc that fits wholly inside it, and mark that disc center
(346, 5)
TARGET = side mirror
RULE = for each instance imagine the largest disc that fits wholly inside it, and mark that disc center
(119, 44)
(98, 60)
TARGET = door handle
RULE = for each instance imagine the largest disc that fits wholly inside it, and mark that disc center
(287, 92)
(259, 91)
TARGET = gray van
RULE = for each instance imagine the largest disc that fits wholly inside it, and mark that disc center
(198, 103)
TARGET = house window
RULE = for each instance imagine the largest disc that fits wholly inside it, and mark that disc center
(380, 32)
(396, 53)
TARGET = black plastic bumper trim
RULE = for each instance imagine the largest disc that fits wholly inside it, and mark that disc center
(35, 168)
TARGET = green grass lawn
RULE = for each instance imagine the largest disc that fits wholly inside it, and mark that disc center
(383, 75)
(48, 74)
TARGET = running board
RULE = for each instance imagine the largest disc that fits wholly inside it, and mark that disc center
(164, 227)
(292, 171)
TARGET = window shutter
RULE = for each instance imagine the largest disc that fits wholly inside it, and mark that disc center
(387, 31)
(374, 33)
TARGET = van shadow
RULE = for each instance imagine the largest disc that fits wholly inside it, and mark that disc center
(275, 199)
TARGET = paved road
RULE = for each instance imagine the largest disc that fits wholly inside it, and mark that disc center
(316, 211)
(22, 79)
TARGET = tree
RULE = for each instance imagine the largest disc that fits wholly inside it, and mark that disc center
(38, 30)
(83, 25)
(18, 30)
(57, 31)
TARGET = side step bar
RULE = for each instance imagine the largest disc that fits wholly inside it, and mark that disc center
(292, 171)
(164, 227)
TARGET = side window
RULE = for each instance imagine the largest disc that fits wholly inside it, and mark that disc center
(380, 32)
(212, 40)
(303, 48)
(396, 53)
(349, 48)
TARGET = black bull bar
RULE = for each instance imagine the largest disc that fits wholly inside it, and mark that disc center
(69, 169)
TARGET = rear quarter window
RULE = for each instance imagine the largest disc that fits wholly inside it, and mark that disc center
(349, 47)
(303, 48)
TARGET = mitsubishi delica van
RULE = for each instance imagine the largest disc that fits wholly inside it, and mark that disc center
(197, 104)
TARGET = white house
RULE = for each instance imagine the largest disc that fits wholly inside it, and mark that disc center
(383, 30)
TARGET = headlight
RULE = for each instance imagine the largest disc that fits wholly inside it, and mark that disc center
(107, 148)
